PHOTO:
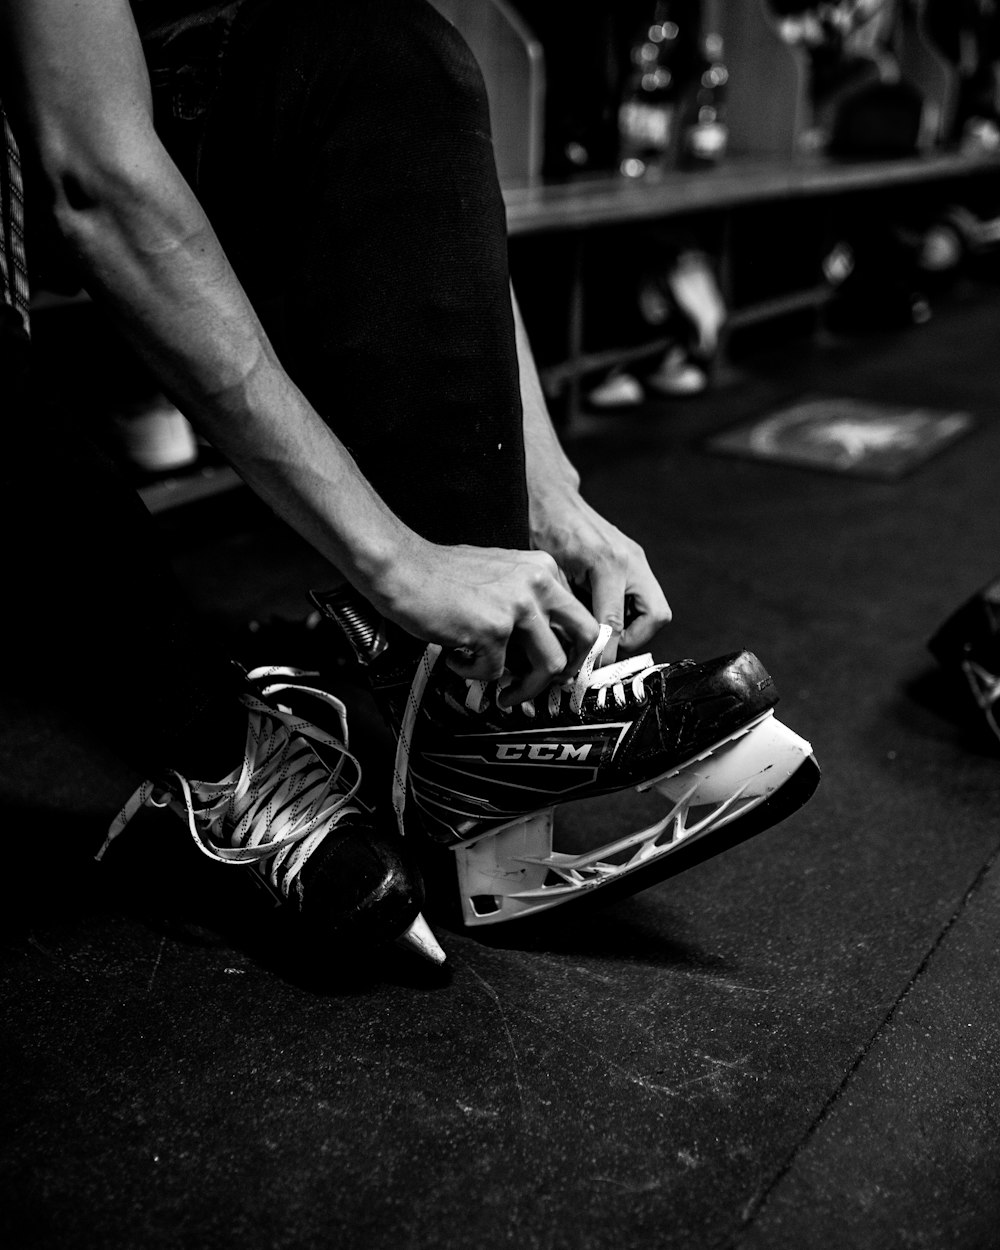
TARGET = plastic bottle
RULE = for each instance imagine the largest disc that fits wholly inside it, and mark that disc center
(648, 115)
(706, 135)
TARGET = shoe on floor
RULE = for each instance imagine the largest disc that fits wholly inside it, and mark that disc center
(677, 375)
(617, 390)
(967, 645)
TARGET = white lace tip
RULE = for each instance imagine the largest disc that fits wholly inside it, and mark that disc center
(419, 938)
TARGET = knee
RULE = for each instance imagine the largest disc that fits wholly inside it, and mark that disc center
(420, 59)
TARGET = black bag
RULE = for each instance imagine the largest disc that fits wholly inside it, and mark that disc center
(880, 119)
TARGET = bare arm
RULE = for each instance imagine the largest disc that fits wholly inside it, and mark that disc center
(588, 549)
(150, 254)
(81, 96)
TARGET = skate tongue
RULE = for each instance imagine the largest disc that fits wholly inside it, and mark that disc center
(361, 624)
(388, 655)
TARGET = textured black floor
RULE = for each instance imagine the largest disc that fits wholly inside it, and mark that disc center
(794, 1045)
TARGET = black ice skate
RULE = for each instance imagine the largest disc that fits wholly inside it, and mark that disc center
(288, 812)
(968, 645)
(486, 781)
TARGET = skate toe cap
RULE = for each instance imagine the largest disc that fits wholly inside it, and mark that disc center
(739, 675)
(360, 889)
(704, 702)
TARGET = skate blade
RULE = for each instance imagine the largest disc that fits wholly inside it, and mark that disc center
(731, 793)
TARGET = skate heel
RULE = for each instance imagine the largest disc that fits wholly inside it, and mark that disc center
(737, 790)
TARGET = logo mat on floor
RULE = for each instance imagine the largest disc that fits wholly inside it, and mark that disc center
(851, 436)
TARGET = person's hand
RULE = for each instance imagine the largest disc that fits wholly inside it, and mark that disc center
(491, 609)
(591, 553)
(599, 559)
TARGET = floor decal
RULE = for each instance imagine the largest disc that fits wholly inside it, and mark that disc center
(851, 436)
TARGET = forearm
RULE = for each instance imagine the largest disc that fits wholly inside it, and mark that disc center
(78, 83)
(589, 551)
(155, 261)
(547, 465)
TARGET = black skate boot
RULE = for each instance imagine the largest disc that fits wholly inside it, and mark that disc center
(486, 781)
(967, 645)
(288, 813)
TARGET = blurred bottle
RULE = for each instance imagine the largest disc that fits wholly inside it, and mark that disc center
(706, 135)
(648, 116)
(155, 437)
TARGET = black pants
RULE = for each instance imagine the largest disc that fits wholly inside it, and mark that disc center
(348, 168)
(344, 158)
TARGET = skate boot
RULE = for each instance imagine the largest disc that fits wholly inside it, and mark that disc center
(486, 781)
(968, 646)
(288, 813)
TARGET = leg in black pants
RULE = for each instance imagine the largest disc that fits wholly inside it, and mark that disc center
(349, 171)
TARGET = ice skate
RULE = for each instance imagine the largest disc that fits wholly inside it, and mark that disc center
(968, 646)
(288, 813)
(487, 781)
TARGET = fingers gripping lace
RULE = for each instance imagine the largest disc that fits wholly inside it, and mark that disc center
(610, 677)
(277, 806)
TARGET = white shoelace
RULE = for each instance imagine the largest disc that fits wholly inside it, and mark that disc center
(278, 805)
(610, 677)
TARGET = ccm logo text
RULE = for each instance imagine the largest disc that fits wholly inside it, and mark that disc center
(548, 752)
